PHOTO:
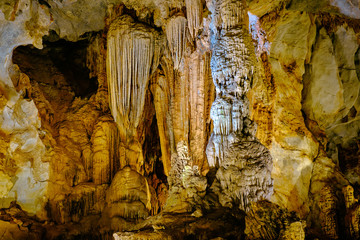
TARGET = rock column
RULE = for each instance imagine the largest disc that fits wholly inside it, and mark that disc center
(244, 164)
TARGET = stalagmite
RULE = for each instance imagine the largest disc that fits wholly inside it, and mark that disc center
(133, 54)
(187, 186)
(176, 34)
(244, 173)
(194, 15)
(129, 195)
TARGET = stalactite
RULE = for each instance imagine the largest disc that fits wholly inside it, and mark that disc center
(221, 115)
(133, 53)
(194, 15)
(176, 33)
(236, 113)
(230, 13)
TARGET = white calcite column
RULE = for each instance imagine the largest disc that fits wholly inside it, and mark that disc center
(244, 164)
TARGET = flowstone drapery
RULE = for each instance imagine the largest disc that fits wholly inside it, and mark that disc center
(244, 173)
(194, 15)
(176, 33)
(133, 54)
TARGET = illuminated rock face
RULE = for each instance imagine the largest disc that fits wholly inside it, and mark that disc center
(24, 165)
(160, 121)
(187, 186)
(129, 195)
(133, 53)
(244, 163)
(176, 34)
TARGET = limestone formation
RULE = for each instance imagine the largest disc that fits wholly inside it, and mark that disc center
(352, 217)
(84, 200)
(328, 213)
(173, 119)
(142, 235)
(160, 90)
(194, 11)
(266, 220)
(176, 34)
(278, 102)
(187, 186)
(106, 151)
(174, 103)
(133, 53)
(128, 195)
(242, 177)
(295, 230)
(23, 152)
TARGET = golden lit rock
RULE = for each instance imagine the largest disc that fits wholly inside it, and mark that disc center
(169, 119)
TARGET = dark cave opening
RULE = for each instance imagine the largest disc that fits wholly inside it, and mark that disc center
(60, 63)
(153, 162)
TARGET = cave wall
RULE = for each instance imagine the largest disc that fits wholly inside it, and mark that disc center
(188, 106)
(302, 96)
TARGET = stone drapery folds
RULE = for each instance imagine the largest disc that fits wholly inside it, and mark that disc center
(133, 54)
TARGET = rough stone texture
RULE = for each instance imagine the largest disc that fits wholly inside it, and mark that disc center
(100, 149)
(328, 99)
(71, 19)
(266, 220)
(292, 146)
(331, 106)
(24, 153)
(260, 8)
(187, 186)
(244, 176)
(20, 225)
(244, 163)
(284, 93)
(128, 195)
(349, 8)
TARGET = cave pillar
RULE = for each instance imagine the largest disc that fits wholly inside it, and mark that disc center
(133, 52)
(244, 164)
